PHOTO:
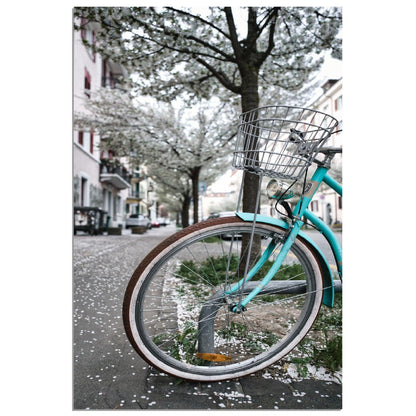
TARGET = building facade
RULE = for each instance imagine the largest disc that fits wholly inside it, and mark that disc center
(141, 198)
(97, 181)
(100, 179)
(327, 204)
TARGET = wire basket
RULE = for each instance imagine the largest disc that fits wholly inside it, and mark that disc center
(280, 141)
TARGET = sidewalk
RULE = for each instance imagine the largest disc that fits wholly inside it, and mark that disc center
(251, 392)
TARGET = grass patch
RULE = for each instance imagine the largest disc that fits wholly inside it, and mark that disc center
(322, 346)
(213, 271)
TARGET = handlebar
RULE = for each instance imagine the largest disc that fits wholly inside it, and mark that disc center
(328, 151)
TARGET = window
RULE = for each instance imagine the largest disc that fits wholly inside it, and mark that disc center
(339, 202)
(314, 206)
(87, 83)
(86, 140)
(338, 103)
(88, 37)
(340, 125)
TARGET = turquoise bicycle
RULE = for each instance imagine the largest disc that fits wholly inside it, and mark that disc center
(227, 297)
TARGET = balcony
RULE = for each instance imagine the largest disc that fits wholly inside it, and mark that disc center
(133, 197)
(114, 174)
(138, 176)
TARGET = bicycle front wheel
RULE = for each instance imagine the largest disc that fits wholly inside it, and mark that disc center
(180, 309)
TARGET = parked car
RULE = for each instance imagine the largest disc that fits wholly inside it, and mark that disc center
(156, 224)
(163, 221)
(138, 220)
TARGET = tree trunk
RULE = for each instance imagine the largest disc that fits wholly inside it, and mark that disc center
(185, 210)
(249, 101)
(195, 191)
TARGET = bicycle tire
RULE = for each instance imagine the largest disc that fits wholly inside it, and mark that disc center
(166, 334)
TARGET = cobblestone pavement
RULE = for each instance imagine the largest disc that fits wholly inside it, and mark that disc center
(108, 373)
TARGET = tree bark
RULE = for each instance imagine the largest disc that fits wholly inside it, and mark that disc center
(249, 101)
(195, 191)
(185, 210)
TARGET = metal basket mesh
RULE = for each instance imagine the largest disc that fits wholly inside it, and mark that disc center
(280, 141)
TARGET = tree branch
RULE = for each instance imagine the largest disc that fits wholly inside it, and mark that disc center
(222, 78)
(206, 22)
(252, 29)
(271, 21)
(270, 15)
(164, 30)
(233, 34)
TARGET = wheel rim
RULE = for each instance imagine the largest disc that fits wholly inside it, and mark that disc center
(192, 276)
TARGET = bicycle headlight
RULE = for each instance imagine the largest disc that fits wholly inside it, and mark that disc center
(278, 190)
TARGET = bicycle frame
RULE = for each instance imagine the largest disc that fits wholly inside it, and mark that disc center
(301, 210)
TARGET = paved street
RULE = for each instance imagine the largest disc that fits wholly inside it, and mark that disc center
(108, 373)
